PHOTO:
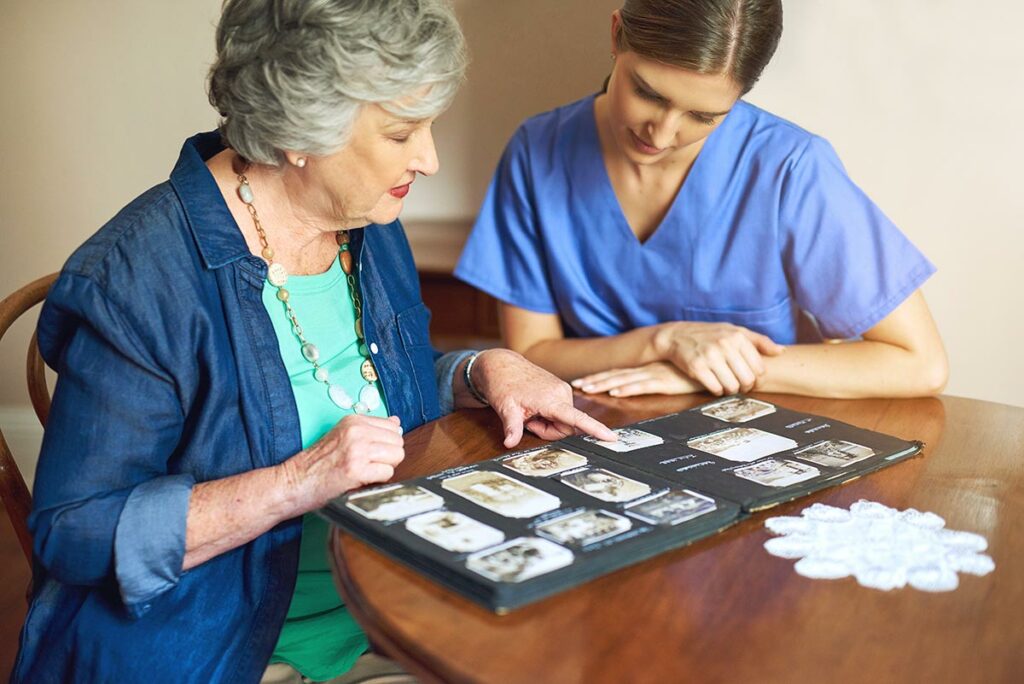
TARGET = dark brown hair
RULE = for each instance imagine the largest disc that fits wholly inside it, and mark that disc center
(736, 37)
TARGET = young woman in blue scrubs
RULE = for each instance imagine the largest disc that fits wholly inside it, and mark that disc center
(665, 236)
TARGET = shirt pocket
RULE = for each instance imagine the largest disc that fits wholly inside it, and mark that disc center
(414, 331)
(777, 321)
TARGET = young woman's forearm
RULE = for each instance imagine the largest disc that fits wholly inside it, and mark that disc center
(575, 357)
(851, 370)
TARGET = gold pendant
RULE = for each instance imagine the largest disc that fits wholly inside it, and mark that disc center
(368, 371)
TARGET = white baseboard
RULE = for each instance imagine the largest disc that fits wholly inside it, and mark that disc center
(24, 436)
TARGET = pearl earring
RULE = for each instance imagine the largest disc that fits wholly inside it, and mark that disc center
(300, 162)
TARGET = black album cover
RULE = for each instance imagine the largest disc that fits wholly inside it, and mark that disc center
(525, 525)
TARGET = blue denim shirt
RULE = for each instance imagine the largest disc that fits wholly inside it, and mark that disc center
(169, 374)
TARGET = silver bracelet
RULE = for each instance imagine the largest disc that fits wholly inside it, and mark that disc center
(469, 380)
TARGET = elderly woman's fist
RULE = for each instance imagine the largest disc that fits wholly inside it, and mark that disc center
(357, 451)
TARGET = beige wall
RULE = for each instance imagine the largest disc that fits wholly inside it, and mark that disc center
(920, 97)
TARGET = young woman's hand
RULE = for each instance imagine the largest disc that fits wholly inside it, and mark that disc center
(722, 357)
(660, 377)
(526, 396)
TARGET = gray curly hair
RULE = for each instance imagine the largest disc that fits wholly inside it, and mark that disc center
(293, 74)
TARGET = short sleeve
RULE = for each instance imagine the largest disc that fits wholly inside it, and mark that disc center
(503, 256)
(847, 264)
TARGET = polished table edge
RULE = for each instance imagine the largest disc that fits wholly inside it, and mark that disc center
(426, 669)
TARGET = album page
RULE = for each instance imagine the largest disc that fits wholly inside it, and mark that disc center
(750, 451)
(529, 524)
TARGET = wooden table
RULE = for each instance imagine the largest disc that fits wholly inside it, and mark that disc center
(723, 609)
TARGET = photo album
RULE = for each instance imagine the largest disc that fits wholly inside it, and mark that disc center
(514, 529)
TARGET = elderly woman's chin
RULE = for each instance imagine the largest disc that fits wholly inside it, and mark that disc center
(386, 211)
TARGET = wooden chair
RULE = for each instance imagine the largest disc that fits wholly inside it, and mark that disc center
(13, 491)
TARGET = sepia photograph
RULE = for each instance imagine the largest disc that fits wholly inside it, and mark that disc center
(630, 439)
(388, 504)
(502, 494)
(585, 527)
(741, 444)
(738, 409)
(834, 453)
(519, 559)
(673, 507)
(777, 472)
(544, 462)
(605, 485)
(454, 531)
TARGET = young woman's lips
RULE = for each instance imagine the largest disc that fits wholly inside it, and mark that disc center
(643, 147)
(400, 191)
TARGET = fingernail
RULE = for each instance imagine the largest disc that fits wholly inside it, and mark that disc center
(576, 383)
(614, 392)
(587, 388)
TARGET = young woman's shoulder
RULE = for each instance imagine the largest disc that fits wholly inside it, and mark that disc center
(555, 128)
(770, 137)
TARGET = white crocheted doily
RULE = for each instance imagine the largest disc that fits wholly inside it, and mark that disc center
(879, 546)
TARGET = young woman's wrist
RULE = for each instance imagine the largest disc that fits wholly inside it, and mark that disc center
(661, 344)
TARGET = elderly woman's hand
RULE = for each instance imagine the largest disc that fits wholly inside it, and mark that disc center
(357, 451)
(527, 396)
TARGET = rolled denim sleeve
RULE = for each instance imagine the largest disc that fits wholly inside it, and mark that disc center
(444, 368)
(149, 541)
(107, 505)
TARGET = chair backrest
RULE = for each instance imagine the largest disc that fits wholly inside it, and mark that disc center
(13, 491)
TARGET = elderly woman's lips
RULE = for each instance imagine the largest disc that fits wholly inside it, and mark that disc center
(400, 191)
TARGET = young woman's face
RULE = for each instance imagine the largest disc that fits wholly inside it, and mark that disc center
(656, 110)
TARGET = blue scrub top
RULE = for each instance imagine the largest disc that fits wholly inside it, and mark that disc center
(767, 223)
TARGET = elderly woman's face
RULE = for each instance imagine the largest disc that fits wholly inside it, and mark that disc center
(366, 180)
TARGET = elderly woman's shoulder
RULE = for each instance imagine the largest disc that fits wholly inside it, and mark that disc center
(149, 232)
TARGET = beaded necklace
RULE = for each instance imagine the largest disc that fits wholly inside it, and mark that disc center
(277, 275)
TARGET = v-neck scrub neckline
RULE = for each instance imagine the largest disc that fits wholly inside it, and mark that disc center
(681, 200)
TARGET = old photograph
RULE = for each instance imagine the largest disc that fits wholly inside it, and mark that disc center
(834, 453)
(454, 531)
(502, 494)
(672, 507)
(545, 461)
(605, 485)
(777, 472)
(630, 439)
(741, 444)
(584, 527)
(738, 409)
(394, 503)
(519, 559)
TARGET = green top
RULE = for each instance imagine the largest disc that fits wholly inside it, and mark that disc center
(320, 638)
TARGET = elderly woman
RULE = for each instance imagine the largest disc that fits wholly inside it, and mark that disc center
(243, 343)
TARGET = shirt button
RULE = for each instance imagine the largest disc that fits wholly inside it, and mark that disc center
(373, 348)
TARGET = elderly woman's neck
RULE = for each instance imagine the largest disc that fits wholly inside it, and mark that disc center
(301, 234)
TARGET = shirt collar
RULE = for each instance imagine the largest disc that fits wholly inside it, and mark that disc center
(219, 239)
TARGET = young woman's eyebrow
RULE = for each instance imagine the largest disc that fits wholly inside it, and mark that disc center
(641, 83)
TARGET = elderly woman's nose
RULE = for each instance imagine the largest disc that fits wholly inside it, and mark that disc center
(425, 161)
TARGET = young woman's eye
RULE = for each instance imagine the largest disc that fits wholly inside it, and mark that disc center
(706, 120)
(647, 95)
